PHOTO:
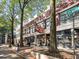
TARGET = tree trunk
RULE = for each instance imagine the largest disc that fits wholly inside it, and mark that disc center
(12, 41)
(21, 28)
(53, 42)
(9, 37)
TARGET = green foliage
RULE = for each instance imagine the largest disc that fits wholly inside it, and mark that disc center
(33, 6)
(2, 5)
(37, 5)
(4, 25)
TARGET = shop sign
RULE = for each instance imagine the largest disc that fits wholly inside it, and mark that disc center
(70, 12)
(39, 29)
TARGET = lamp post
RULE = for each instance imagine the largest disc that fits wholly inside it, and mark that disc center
(73, 39)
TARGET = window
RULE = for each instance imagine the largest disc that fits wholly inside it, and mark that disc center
(76, 17)
(33, 29)
(63, 18)
(29, 30)
(48, 23)
(67, 16)
(43, 24)
(24, 31)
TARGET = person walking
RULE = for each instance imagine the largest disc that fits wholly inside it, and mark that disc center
(17, 47)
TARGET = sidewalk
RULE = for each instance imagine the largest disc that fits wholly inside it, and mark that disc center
(32, 53)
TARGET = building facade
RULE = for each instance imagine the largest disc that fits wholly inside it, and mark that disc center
(38, 29)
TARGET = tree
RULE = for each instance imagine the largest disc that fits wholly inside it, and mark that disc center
(22, 4)
(4, 27)
(10, 14)
(53, 42)
(12, 17)
(4, 23)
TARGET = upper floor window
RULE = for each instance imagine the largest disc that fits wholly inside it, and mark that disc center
(63, 18)
(33, 29)
(68, 15)
(43, 24)
(24, 31)
(76, 17)
(48, 23)
(29, 29)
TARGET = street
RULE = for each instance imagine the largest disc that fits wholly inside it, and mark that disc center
(6, 53)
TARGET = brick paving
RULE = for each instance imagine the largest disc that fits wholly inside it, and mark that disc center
(29, 53)
(32, 53)
(6, 53)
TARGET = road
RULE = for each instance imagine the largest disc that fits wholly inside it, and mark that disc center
(6, 53)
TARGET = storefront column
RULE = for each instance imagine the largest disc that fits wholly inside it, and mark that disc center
(45, 40)
(72, 36)
(35, 40)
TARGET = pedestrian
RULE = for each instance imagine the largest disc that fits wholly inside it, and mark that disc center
(17, 48)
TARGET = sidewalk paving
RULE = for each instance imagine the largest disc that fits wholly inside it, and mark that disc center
(35, 52)
(6, 52)
(32, 53)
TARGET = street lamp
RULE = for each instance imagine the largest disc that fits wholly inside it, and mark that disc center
(72, 34)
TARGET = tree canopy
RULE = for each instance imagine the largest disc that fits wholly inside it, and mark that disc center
(34, 7)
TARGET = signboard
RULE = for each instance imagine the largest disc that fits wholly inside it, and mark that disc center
(70, 12)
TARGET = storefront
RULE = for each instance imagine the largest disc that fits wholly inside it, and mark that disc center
(29, 40)
(64, 38)
(43, 39)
